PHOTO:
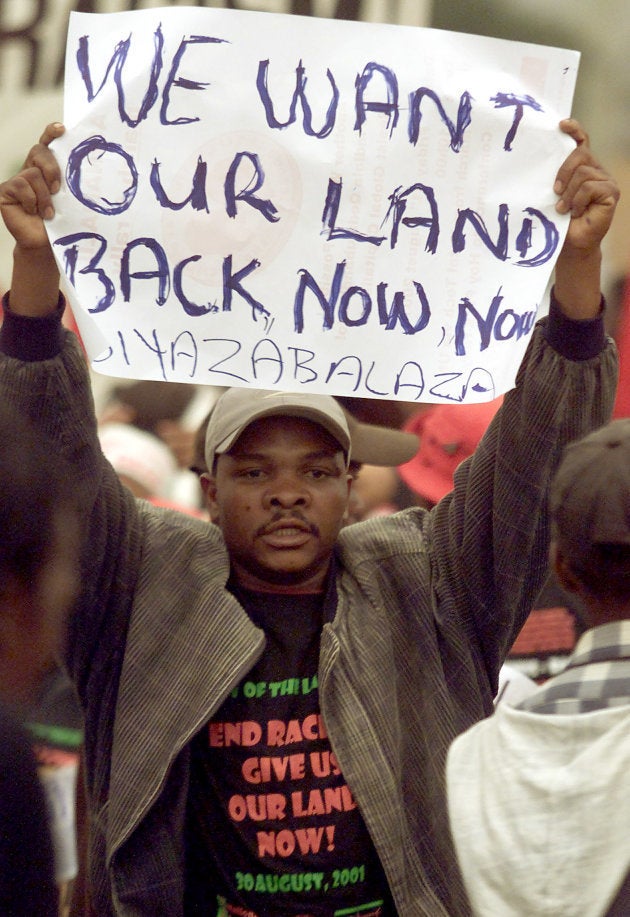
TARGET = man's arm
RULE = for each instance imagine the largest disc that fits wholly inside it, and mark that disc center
(490, 535)
(43, 373)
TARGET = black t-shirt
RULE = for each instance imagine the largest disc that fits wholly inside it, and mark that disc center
(272, 827)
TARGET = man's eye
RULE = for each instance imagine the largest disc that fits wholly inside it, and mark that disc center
(251, 474)
(319, 473)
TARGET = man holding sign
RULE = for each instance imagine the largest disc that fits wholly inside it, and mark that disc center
(269, 699)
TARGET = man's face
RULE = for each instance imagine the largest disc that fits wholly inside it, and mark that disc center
(279, 497)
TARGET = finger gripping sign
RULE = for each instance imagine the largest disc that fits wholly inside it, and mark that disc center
(279, 201)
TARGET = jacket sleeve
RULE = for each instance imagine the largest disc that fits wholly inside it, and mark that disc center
(490, 535)
(43, 374)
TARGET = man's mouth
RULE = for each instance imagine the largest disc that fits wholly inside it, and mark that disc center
(287, 532)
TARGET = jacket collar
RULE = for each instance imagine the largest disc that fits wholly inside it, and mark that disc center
(189, 644)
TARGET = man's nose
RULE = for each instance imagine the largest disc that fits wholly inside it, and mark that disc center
(286, 491)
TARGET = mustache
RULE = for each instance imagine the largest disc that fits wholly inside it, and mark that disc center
(287, 517)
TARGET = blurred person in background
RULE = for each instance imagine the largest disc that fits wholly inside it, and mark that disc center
(171, 413)
(144, 464)
(448, 434)
(38, 581)
(54, 724)
(539, 794)
(622, 337)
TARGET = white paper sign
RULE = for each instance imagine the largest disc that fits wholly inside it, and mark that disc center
(286, 202)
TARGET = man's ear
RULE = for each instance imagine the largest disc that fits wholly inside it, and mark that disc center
(350, 477)
(209, 487)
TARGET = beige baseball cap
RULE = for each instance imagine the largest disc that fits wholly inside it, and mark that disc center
(363, 442)
(237, 408)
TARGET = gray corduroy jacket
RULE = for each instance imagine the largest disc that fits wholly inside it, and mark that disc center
(427, 606)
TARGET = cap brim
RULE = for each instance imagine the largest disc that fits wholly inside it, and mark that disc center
(374, 445)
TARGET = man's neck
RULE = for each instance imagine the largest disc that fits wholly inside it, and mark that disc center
(268, 589)
(312, 585)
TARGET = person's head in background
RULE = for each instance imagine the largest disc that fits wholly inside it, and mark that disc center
(449, 433)
(155, 407)
(376, 452)
(39, 551)
(145, 403)
(144, 464)
(169, 410)
(590, 517)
